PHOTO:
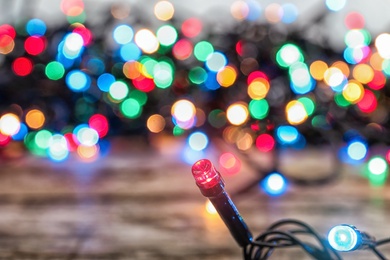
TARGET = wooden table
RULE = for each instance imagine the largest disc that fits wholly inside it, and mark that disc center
(140, 202)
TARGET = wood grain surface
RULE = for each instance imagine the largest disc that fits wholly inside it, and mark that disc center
(140, 202)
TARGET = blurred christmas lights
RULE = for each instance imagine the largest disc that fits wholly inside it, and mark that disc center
(181, 76)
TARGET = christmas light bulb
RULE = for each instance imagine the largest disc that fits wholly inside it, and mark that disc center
(343, 238)
(348, 238)
(211, 185)
(205, 174)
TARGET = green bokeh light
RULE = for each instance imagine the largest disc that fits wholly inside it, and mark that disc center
(308, 104)
(54, 70)
(140, 96)
(258, 108)
(177, 131)
(202, 50)
(29, 141)
(197, 75)
(289, 54)
(131, 108)
(163, 74)
(217, 118)
(42, 138)
(340, 100)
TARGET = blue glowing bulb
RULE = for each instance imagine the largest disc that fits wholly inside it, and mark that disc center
(274, 184)
(344, 238)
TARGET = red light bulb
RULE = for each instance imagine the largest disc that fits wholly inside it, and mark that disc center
(211, 185)
(205, 175)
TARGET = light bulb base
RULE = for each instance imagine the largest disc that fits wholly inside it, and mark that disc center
(232, 218)
(346, 238)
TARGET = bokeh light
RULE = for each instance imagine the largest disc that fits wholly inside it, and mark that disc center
(155, 123)
(78, 81)
(184, 111)
(167, 35)
(289, 54)
(22, 66)
(118, 90)
(227, 76)
(274, 184)
(335, 5)
(198, 141)
(54, 70)
(9, 124)
(287, 134)
(237, 113)
(58, 148)
(164, 10)
(146, 41)
(230, 164)
(191, 27)
(100, 123)
(35, 45)
(131, 108)
(259, 109)
(357, 150)
(381, 43)
(296, 112)
(88, 153)
(35, 119)
(216, 61)
(123, 34)
(265, 143)
(210, 209)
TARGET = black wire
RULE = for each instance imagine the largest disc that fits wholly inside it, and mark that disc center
(382, 241)
(285, 235)
(377, 253)
(310, 230)
(270, 240)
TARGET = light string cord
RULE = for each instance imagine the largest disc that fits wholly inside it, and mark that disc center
(275, 237)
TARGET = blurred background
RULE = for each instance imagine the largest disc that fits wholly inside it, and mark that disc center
(105, 105)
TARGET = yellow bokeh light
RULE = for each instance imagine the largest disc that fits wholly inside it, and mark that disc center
(273, 13)
(342, 66)
(296, 112)
(227, 76)
(239, 10)
(88, 153)
(164, 10)
(244, 141)
(210, 208)
(317, 69)
(258, 89)
(35, 118)
(183, 110)
(353, 91)
(363, 73)
(155, 123)
(237, 113)
(334, 77)
(230, 134)
(376, 61)
(7, 44)
(9, 124)
(147, 41)
(132, 69)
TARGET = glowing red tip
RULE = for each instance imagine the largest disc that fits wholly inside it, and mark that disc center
(205, 174)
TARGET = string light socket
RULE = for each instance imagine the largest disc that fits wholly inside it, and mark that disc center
(212, 186)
